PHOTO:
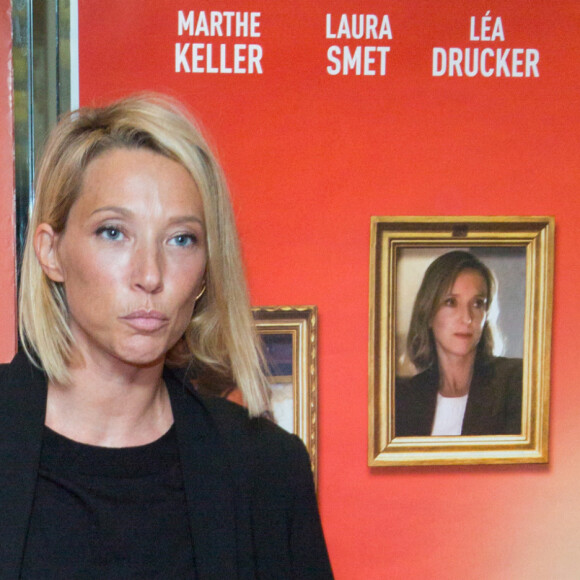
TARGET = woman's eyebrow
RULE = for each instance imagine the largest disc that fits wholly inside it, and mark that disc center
(127, 213)
(113, 208)
(186, 219)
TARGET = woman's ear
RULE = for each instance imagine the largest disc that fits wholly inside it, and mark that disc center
(45, 248)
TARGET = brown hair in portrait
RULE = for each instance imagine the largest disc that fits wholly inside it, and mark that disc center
(437, 281)
(220, 340)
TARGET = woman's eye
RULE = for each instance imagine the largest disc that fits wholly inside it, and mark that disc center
(480, 303)
(183, 240)
(110, 233)
(449, 302)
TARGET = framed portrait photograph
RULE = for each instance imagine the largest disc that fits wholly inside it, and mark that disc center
(289, 339)
(459, 340)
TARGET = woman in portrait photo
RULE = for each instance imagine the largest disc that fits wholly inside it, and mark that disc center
(461, 388)
(112, 464)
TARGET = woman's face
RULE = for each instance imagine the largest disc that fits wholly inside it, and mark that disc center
(132, 257)
(458, 323)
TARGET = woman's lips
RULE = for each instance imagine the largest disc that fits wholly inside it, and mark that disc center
(146, 320)
(466, 335)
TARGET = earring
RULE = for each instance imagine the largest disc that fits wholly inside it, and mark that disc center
(200, 293)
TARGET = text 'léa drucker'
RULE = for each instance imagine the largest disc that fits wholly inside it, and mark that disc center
(488, 60)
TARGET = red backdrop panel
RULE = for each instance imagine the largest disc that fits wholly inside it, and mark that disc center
(7, 209)
(311, 156)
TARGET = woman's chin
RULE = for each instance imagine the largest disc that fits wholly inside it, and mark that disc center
(119, 357)
(145, 359)
(458, 351)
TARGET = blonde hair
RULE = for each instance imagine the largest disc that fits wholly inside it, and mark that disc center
(220, 337)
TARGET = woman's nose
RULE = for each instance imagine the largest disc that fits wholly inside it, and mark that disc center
(466, 314)
(147, 268)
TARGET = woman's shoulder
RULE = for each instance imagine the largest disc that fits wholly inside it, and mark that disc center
(507, 362)
(261, 433)
(262, 457)
(19, 367)
(422, 379)
(506, 366)
(254, 436)
(21, 381)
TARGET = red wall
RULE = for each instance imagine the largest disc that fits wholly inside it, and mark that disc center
(310, 157)
(7, 208)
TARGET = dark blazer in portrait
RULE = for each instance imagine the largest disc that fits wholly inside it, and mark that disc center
(494, 404)
(248, 484)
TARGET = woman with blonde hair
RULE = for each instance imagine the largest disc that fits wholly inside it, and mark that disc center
(113, 466)
(461, 387)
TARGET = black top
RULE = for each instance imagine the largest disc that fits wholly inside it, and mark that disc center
(109, 513)
(248, 485)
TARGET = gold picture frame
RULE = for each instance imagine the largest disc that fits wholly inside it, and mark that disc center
(508, 238)
(289, 336)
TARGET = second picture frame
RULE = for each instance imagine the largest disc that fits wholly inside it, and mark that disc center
(460, 334)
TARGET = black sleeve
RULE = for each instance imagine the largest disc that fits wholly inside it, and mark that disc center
(309, 557)
(288, 538)
(274, 481)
